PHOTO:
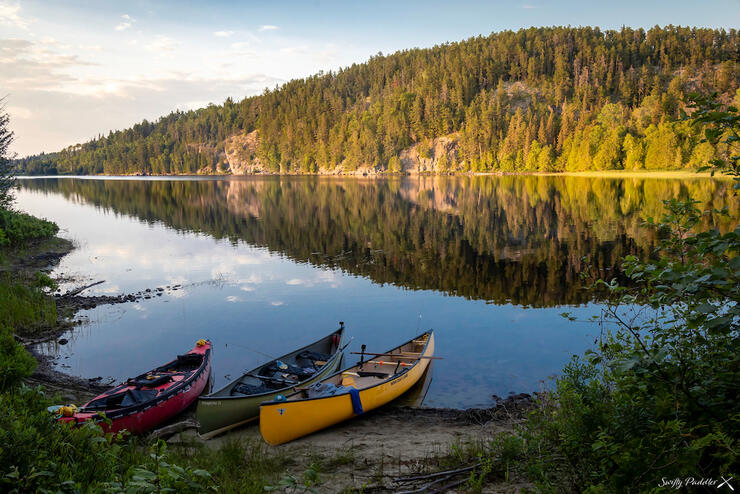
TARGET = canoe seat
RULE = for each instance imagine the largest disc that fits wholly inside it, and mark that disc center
(381, 375)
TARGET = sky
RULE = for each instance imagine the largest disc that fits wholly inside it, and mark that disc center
(72, 70)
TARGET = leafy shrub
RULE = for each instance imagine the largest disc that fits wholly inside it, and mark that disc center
(157, 474)
(658, 398)
(38, 454)
(17, 228)
(15, 362)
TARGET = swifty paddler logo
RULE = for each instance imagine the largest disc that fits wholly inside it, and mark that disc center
(679, 483)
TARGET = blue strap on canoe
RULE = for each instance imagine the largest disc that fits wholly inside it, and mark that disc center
(356, 403)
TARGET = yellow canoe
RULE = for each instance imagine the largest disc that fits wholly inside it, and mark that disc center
(348, 393)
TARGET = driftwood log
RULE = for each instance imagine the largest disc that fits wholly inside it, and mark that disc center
(173, 429)
(81, 289)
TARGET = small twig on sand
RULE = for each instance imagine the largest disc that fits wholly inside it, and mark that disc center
(427, 486)
(78, 290)
(173, 429)
(436, 474)
(446, 488)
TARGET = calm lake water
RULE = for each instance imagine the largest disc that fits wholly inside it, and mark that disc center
(268, 264)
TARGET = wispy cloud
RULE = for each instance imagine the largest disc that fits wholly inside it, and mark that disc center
(163, 43)
(268, 27)
(295, 50)
(127, 22)
(243, 48)
(10, 15)
(91, 48)
(28, 65)
(223, 34)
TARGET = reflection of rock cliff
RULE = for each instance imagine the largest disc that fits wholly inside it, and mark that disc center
(242, 197)
(524, 240)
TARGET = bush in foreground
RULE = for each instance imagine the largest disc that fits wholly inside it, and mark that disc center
(37, 454)
(15, 362)
(658, 398)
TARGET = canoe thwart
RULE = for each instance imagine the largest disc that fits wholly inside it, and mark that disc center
(396, 355)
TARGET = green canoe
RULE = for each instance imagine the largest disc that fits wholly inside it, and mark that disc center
(239, 401)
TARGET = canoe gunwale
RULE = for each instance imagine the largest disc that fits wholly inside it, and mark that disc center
(384, 381)
(337, 354)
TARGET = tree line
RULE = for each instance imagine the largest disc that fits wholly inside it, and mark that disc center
(539, 99)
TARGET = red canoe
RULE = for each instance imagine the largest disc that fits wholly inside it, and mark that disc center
(147, 400)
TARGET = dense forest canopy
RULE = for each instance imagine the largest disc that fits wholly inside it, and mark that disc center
(539, 99)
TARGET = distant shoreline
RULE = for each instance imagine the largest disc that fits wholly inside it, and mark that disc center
(665, 174)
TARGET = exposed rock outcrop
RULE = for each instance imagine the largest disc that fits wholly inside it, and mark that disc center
(438, 156)
(241, 154)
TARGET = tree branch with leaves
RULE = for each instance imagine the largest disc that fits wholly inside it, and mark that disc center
(7, 175)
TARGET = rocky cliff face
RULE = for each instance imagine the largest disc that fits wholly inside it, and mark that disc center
(241, 154)
(436, 156)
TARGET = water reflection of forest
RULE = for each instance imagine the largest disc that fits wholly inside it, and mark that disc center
(519, 239)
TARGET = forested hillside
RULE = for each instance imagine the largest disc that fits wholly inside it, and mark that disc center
(540, 99)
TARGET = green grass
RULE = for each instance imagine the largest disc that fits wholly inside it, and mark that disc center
(18, 228)
(238, 466)
(24, 307)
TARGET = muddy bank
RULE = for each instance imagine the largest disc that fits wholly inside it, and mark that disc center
(70, 389)
(37, 255)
